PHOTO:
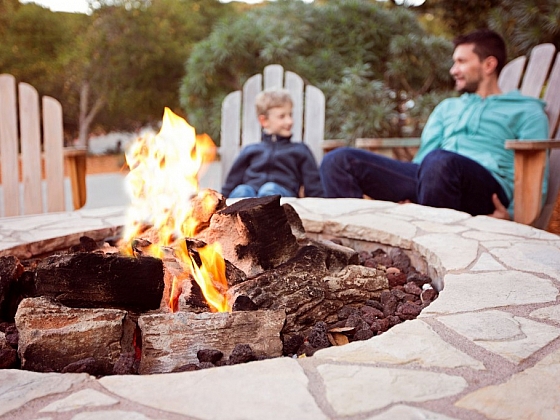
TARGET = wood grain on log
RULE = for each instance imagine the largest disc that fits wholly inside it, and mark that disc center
(308, 291)
(52, 336)
(254, 234)
(170, 341)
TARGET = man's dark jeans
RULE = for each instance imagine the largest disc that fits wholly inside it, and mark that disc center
(443, 179)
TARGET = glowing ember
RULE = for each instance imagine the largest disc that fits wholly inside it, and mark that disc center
(163, 179)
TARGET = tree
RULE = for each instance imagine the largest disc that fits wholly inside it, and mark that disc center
(36, 43)
(527, 24)
(130, 60)
(461, 16)
(345, 47)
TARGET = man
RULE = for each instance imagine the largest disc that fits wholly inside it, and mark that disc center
(462, 163)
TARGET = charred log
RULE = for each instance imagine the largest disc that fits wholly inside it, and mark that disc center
(254, 233)
(93, 280)
(10, 290)
(306, 289)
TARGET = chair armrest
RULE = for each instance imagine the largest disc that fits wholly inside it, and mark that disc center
(529, 164)
(366, 143)
(75, 158)
(331, 144)
(400, 148)
(532, 144)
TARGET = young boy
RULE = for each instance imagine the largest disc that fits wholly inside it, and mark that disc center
(275, 166)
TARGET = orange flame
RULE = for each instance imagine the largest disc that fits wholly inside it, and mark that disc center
(163, 178)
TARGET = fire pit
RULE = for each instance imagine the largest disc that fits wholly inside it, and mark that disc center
(146, 301)
(90, 309)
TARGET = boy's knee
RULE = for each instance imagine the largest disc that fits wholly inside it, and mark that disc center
(243, 191)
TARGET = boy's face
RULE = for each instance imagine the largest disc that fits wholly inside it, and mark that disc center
(278, 121)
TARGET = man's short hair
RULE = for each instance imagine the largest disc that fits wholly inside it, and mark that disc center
(487, 43)
(272, 98)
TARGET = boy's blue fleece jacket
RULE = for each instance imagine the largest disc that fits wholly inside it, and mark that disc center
(275, 159)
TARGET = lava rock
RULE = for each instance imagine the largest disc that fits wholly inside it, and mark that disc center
(363, 334)
(125, 364)
(318, 337)
(209, 355)
(244, 303)
(241, 353)
(292, 344)
(412, 288)
(189, 367)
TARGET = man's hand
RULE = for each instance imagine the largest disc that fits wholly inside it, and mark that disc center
(501, 211)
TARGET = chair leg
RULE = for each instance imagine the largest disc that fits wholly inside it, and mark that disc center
(529, 175)
(76, 165)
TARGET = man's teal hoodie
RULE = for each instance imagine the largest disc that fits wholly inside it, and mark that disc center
(478, 127)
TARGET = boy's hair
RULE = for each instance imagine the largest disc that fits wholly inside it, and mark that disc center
(272, 98)
(487, 43)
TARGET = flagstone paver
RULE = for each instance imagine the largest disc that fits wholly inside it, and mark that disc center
(85, 398)
(487, 348)
(393, 347)
(512, 337)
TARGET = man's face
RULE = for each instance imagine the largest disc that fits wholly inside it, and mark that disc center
(278, 121)
(467, 69)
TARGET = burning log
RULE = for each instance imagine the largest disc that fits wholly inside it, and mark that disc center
(56, 338)
(254, 233)
(204, 205)
(8, 355)
(307, 290)
(93, 280)
(170, 341)
(10, 272)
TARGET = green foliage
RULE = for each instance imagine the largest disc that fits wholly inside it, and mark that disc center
(526, 24)
(461, 16)
(35, 44)
(359, 106)
(136, 52)
(369, 59)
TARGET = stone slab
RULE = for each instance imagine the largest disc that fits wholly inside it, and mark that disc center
(512, 337)
(475, 291)
(352, 389)
(19, 387)
(409, 343)
(531, 394)
(252, 391)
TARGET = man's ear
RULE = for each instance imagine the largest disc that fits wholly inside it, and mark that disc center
(490, 64)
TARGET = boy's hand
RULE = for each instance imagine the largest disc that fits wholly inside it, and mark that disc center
(500, 212)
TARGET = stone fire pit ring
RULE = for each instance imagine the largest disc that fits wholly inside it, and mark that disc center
(488, 347)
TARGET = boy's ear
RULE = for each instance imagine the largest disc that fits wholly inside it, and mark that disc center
(262, 119)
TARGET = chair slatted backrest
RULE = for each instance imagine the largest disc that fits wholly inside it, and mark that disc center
(240, 126)
(552, 99)
(536, 78)
(25, 143)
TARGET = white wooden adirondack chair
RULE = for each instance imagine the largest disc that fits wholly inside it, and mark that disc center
(539, 80)
(26, 147)
(240, 126)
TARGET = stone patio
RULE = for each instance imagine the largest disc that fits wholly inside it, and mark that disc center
(487, 348)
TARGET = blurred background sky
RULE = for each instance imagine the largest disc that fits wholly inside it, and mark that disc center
(76, 6)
